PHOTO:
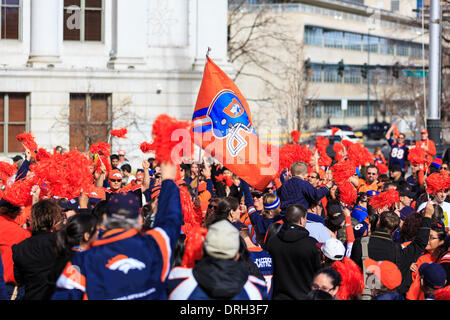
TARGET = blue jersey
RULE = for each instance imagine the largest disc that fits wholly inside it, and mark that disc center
(182, 285)
(125, 264)
(263, 261)
(399, 154)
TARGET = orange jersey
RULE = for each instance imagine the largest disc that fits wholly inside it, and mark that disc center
(364, 187)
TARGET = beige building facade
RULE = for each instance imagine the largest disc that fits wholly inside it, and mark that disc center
(381, 34)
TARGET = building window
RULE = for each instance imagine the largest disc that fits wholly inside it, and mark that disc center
(10, 18)
(370, 43)
(352, 41)
(83, 20)
(395, 5)
(416, 50)
(314, 110)
(353, 109)
(14, 111)
(387, 46)
(352, 75)
(89, 119)
(330, 74)
(314, 36)
(332, 109)
(333, 39)
(315, 73)
(402, 48)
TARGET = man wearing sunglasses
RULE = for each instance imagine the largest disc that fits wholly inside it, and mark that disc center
(371, 181)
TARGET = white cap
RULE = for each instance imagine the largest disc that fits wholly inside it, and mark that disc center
(333, 249)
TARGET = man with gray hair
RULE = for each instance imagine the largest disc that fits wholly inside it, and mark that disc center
(297, 190)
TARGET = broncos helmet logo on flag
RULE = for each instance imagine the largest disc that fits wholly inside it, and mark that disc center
(222, 112)
(227, 116)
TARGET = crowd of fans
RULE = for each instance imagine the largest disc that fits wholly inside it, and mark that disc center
(344, 224)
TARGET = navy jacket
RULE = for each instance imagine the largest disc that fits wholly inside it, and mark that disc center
(298, 191)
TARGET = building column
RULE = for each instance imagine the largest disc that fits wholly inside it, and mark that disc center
(211, 32)
(45, 32)
(128, 34)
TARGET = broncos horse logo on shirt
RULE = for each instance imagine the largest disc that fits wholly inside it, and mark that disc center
(123, 263)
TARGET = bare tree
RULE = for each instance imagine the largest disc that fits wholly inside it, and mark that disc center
(267, 51)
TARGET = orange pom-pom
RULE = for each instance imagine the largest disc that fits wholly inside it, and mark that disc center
(193, 249)
(382, 168)
(352, 284)
(101, 148)
(27, 140)
(442, 294)
(436, 182)
(7, 170)
(334, 130)
(295, 134)
(385, 199)
(347, 193)
(343, 170)
(164, 143)
(417, 156)
(120, 133)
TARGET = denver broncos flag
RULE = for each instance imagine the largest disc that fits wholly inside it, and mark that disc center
(223, 128)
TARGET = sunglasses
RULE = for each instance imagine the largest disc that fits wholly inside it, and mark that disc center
(211, 206)
(115, 180)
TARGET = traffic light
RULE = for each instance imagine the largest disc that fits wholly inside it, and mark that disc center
(364, 71)
(341, 68)
(395, 70)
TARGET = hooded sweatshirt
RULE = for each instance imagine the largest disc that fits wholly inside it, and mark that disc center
(296, 259)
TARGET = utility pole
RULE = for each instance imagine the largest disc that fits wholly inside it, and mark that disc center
(434, 125)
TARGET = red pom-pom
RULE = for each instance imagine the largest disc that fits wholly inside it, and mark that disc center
(295, 134)
(120, 133)
(342, 171)
(64, 175)
(385, 199)
(7, 170)
(290, 153)
(193, 249)
(101, 148)
(19, 193)
(347, 193)
(436, 182)
(352, 284)
(334, 130)
(417, 156)
(382, 168)
(359, 154)
(164, 143)
(225, 179)
(42, 154)
(27, 139)
(442, 294)
(145, 147)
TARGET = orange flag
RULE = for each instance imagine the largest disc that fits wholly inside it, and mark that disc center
(223, 128)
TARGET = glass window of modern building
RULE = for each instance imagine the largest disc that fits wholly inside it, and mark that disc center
(313, 36)
(387, 46)
(333, 39)
(352, 41)
(352, 75)
(370, 43)
(402, 48)
(330, 74)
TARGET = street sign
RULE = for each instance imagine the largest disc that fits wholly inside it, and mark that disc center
(414, 73)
